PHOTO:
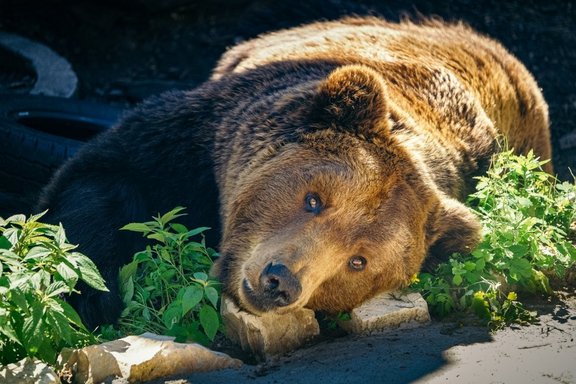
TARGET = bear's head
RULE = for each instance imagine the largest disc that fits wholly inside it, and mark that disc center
(339, 215)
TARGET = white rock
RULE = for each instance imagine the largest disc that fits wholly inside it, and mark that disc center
(141, 358)
(28, 371)
(270, 334)
(388, 311)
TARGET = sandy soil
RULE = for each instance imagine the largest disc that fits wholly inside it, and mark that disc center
(125, 50)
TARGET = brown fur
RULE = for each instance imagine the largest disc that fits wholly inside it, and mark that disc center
(390, 139)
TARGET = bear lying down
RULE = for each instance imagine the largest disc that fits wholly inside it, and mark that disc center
(336, 153)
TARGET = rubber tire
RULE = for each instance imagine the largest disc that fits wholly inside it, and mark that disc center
(29, 156)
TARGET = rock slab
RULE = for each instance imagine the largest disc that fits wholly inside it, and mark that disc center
(270, 334)
(28, 371)
(139, 359)
(388, 311)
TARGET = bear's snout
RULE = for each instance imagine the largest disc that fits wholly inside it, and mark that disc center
(278, 287)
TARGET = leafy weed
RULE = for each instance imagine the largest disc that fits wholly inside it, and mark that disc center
(527, 215)
(166, 288)
(38, 268)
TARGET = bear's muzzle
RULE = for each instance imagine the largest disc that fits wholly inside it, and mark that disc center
(277, 287)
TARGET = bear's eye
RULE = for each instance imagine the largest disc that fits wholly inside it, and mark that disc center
(357, 263)
(312, 203)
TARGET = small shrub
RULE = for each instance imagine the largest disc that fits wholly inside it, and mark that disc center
(37, 267)
(526, 214)
(166, 288)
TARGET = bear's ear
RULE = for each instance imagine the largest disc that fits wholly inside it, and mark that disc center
(453, 228)
(353, 99)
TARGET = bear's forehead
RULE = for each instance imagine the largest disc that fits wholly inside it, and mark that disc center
(362, 169)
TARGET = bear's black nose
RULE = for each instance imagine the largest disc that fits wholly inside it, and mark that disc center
(279, 285)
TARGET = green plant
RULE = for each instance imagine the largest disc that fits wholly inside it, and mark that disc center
(166, 288)
(526, 214)
(37, 267)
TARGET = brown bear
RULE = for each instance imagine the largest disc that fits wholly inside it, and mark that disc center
(337, 154)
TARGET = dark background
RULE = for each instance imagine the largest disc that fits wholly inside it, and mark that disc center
(124, 50)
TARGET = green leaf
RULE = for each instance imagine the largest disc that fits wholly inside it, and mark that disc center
(197, 336)
(18, 297)
(56, 288)
(7, 330)
(201, 276)
(59, 323)
(37, 253)
(33, 327)
(524, 202)
(209, 320)
(68, 274)
(68, 312)
(192, 296)
(128, 271)
(160, 237)
(457, 280)
(127, 289)
(172, 314)
(144, 256)
(480, 306)
(168, 274)
(522, 267)
(212, 294)
(137, 227)
(519, 250)
(60, 236)
(4, 243)
(35, 218)
(46, 351)
(470, 266)
(197, 231)
(89, 273)
(179, 228)
(146, 314)
(11, 259)
(179, 332)
(169, 216)
(17, 219)
(39, 280)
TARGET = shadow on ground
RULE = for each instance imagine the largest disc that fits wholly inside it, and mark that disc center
(400, 357)
(442, 352)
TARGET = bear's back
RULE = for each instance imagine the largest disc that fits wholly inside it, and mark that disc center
(409, 56)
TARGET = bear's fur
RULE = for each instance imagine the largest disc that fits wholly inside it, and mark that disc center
(336, 153)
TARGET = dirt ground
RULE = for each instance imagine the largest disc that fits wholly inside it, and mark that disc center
(443, 352)
(125, 50)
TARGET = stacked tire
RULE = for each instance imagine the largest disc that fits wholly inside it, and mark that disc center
(43, 127)
(37, 134)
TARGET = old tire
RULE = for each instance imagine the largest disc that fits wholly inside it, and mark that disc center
(37, 134)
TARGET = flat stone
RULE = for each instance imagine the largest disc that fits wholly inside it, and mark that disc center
(28, 371)
(139, 359)
(270, 334)
(388, 311)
